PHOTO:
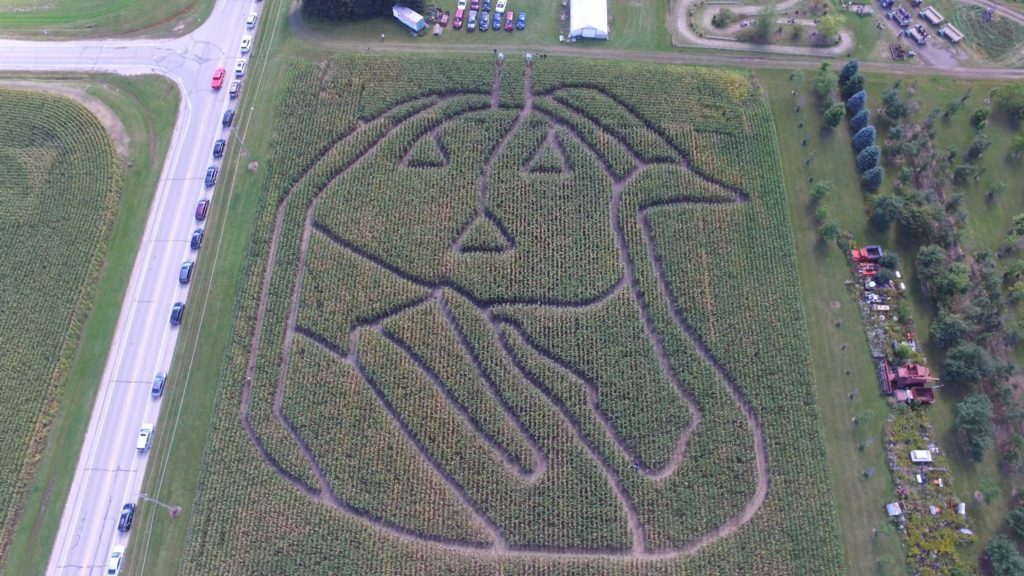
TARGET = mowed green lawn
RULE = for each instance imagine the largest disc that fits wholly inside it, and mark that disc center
(634, 25)
(843, 370)
(99, 18)
(147, 107)
(823, 271)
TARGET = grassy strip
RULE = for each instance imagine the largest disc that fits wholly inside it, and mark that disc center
(147, 112)
(823, 268)
(101, 18)
(158, 541)
(839, 354)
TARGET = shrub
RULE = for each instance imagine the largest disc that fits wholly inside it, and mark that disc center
(974, 421)
(850, 69)
(979, 118)
(863, 138)
(859, 120)
(834, 115)
(868, 158)
(871, 180)
(852, 86)
(855, 104)
(885, 209)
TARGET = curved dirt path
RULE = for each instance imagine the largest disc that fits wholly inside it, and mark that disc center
(682, 31)
(498, 545)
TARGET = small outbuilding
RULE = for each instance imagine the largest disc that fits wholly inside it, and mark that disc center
(920, 456)
(893, 509)
(952, 33)
(933, 16)
(588, 19)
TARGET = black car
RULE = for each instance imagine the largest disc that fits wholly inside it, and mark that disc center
(124, 524)
(185, 274)
(218, 148)
(197, 239)
(211, 176)
(229, 117)
(177, 311)
(158, 385)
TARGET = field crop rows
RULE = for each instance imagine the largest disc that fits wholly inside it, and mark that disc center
(515, 319)
(59, 192)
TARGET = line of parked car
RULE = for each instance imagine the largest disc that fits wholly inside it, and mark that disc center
(479, 16)
(144, 440)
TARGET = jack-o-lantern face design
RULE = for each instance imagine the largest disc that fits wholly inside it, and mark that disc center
(509, 328)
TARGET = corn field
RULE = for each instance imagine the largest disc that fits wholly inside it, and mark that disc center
(59, 192)
(511, 319)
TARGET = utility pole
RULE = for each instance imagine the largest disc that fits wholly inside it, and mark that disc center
(174, 511)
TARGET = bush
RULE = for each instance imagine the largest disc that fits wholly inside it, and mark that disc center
(967, 363)
(974, 421)
(853, 85)
(859, 120)
(855, 104)
(868, 158)
(977, 147)
(1010, 100)
(821, 189)
(885, 209)
(825, 83)
(894, 106)
(863, 138)
(979, 118)
(1015, 520)
(849, 70)
(834, 115)
(871, 180)
(1004, 557)
(724, 18)
(949, 329)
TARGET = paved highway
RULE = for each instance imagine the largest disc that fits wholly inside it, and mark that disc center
(110, 470)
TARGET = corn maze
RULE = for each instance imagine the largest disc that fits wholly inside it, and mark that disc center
(59, 192)
(510, 318)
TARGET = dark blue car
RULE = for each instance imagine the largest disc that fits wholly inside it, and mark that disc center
(521, 21)
(197, 239)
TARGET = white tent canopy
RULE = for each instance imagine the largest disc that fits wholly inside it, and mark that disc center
(588, 19)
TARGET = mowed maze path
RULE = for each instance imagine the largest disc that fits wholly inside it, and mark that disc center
(506, 333)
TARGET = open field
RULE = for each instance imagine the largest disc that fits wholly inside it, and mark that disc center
(685, 454)
(61, 172)
(143, 109)
(100, 18)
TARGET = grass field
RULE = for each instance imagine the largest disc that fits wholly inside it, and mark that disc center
(838, 348)
(544, 418)
(64, 161)
(634, 26)
(100, 18)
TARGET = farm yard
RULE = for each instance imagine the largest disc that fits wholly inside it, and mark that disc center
(555, 336)
(60, 188)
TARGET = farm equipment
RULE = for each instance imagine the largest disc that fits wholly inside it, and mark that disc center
(866, 254)
(897, 51)
(906, 383)
(920, 394)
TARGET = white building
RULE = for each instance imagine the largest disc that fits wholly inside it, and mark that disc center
(588, 19)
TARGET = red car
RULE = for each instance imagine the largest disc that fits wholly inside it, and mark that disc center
(474, 4)
(201, 209)
(509, 19)
(457, 23)
(218, 78)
